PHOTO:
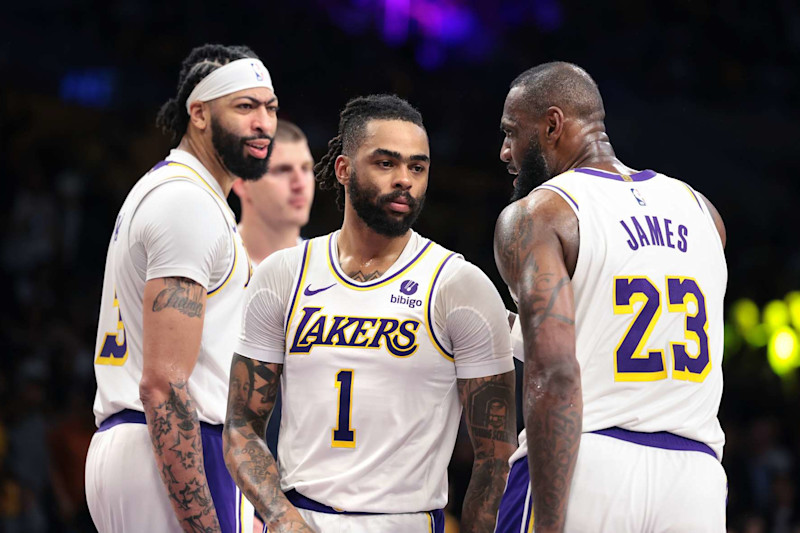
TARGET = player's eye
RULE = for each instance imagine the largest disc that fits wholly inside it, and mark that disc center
(385, 164)
(418, 168)
(245, 106)
(272, 109)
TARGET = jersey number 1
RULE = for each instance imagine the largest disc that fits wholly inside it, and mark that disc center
(634, 363)
(343, 436)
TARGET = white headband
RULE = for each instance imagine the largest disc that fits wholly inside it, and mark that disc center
(235, 76)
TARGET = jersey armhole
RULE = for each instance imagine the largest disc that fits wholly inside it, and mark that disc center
(429, 306)
(568, 198)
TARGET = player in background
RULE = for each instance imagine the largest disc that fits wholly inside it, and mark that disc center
(276, 207)
(379, 337)
(171, 306)
(619, 276)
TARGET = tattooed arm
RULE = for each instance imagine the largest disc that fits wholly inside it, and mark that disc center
(251, 398)
(173, 326)
(489, 411)
(536, 242)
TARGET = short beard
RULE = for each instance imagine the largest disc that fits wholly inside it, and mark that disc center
(369, 207)
(231, 150)
(533, 171)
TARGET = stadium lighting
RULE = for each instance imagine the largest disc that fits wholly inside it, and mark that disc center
(783, 352)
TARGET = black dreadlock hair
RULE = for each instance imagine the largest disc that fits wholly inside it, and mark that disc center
(352, 124)
(201, 61)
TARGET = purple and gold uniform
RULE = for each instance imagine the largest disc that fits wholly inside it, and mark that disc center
(175, 222)
(649, 286)
(370, 399)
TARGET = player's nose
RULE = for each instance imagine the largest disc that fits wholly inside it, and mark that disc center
(402, 179)
(264, 122)
(505, 152)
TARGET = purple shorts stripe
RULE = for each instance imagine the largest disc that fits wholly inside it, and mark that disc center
(515, 506)
(220, 483)
(301, 502)
(437, 517)
(661, 439)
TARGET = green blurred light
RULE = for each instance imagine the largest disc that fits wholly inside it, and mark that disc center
(757, 336)
(783, 351)
(776, 315)
(745, 314)
(793, 301)
(733, 341)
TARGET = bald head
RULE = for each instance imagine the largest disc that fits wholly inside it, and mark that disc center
(563, 85)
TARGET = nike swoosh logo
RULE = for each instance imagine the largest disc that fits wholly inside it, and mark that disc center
(311, 292)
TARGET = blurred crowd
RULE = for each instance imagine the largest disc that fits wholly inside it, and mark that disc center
(704, 91)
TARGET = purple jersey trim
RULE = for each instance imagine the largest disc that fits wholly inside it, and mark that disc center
(660, 439)
(302, 502)
(299, 282)
(639, 176)
(380, 281)
(160, 164)
(430, 305)
(696, 199)
(564, 193)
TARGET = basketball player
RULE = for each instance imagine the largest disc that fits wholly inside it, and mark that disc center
(619, 276)
(171, 305)
(376, 334)
(275, 207)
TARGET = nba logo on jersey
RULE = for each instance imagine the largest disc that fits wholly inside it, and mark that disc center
(639, 197)
(409, 287)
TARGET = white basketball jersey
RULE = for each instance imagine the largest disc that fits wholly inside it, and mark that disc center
(649, 287)
(376, 429)
(118, 352)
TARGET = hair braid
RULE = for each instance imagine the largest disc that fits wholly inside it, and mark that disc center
(201, 61)
(352, 125)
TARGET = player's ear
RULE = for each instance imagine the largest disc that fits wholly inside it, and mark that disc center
(199, 115)
(342, 169)
(554, 123)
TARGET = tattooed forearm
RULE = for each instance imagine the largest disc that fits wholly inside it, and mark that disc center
(175, 436)
(183, 294)
(364, 276)
(246, 454)
(554, 426)
(490, 416)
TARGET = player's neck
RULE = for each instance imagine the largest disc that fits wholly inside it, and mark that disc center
(365, 254)
(208, 157)
(262, 239)
(597, 152)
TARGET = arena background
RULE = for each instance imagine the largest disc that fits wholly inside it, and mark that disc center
(703, 91)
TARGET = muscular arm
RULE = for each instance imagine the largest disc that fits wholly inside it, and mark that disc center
(246, 454)
(530, 255)
(490, 415)
(173, 311)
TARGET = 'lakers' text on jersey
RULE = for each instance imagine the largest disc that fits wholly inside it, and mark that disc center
(370, 402)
